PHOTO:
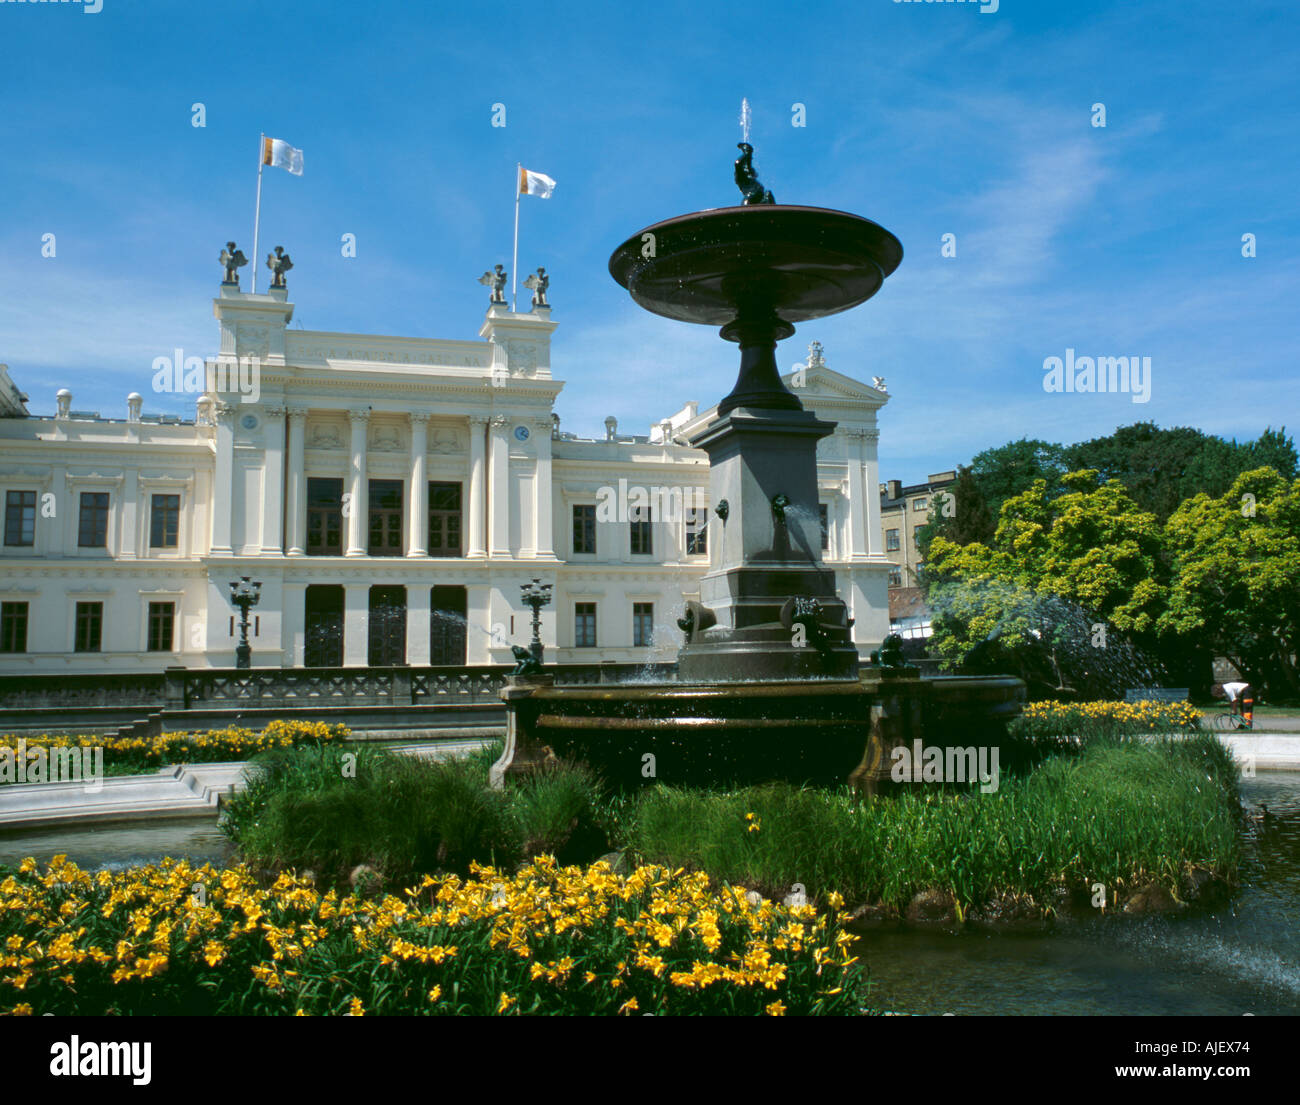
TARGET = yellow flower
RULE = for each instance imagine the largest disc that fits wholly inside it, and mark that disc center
(435, 993)
(629, 1006)
(357, 1009)
(776, 1009)
(505, 1003)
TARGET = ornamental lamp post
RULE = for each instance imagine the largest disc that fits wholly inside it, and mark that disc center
(245, 594)
(536, 594)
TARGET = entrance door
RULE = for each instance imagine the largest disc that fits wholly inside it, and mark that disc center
(323, 644)
(447, 626)
(387, 626)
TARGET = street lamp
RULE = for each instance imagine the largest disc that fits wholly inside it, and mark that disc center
(245, 594)
(536, 594)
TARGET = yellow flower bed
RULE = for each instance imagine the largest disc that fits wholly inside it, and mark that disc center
(174, 937)
(1137, 717)
(232, 743)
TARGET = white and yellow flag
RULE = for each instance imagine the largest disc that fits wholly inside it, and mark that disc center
(533, 184)
(278, 153)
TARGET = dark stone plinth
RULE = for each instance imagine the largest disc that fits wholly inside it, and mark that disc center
(524, 753)
(765, 555)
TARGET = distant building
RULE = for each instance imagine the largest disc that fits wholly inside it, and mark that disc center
(903, 511)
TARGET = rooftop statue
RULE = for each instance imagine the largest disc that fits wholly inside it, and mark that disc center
(538, 283)
(496, 280)
(747, 180)
(232, 259)
(279, 263)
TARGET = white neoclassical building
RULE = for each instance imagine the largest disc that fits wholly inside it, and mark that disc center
(391, 495)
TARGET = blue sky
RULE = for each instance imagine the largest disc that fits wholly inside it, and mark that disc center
(931, 119)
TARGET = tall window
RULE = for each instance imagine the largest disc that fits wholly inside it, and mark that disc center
(324, 517)
(90, 626)
(162, 624)
(584, 528)
(13, 627)
(164, 521)
(584, 625)
(642, 530)
(385, 518)
(824, 515)
(444, 519)
(697, 531)
(643, 623)
(92, 527)
(20, 518)
(896, 577)
(891, 540)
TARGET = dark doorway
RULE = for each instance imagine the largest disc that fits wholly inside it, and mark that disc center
(323, 643)
(447, 627)
(387, 626)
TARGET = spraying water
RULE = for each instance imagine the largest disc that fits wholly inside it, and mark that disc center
(745, 118)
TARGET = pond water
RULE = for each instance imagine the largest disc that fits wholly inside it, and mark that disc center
(1243, 958)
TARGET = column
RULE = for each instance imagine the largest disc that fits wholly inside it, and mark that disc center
(357, 510)
(55, 538)
(477, 505)
(223, 481)
(871, 474)
(478, 613)
(129, 517)
(858, 501)
(499, 489)
(418, 599)
(543, 517)
(273, 483)
(296, 511)
(356, 625)
(293, 619)
(417, 513)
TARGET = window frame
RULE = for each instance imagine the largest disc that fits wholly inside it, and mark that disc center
(15, 502)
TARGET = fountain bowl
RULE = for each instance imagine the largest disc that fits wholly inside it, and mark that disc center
(719, 266)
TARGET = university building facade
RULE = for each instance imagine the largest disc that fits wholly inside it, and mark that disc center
(391, 495)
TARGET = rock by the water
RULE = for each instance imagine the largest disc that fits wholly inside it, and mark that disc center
(931, 906)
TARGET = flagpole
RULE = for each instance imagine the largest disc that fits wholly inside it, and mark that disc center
(257, 213)
(514, 261)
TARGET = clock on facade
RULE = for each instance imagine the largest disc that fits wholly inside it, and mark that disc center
(521, 433)
(249, 422)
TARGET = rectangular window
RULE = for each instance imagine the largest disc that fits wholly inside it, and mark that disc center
(891, 540)
(90, 626)
(20, 518)
(824, 514)
(584, 625)
(697, 531)
(164, 521)
(162, 623)
(916, 539)
(896, 577)
(444, 519)
(92, 527)
(385, 518)
(643, 624)
(324, 517)
(920, 504)
(13, 627)
(641, 525)
(584, 529)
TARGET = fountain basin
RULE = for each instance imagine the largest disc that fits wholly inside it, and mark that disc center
(821, 732)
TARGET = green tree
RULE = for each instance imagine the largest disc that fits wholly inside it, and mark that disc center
(1235, 578)
(1069, 558)
(1010, 469)
(960, 513)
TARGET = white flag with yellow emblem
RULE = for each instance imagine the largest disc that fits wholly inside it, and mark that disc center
(280, 154)
(535, 184)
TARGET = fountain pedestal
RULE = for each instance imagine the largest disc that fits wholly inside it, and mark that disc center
(766, 556)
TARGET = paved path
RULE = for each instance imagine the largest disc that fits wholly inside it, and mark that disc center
(186, 790)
